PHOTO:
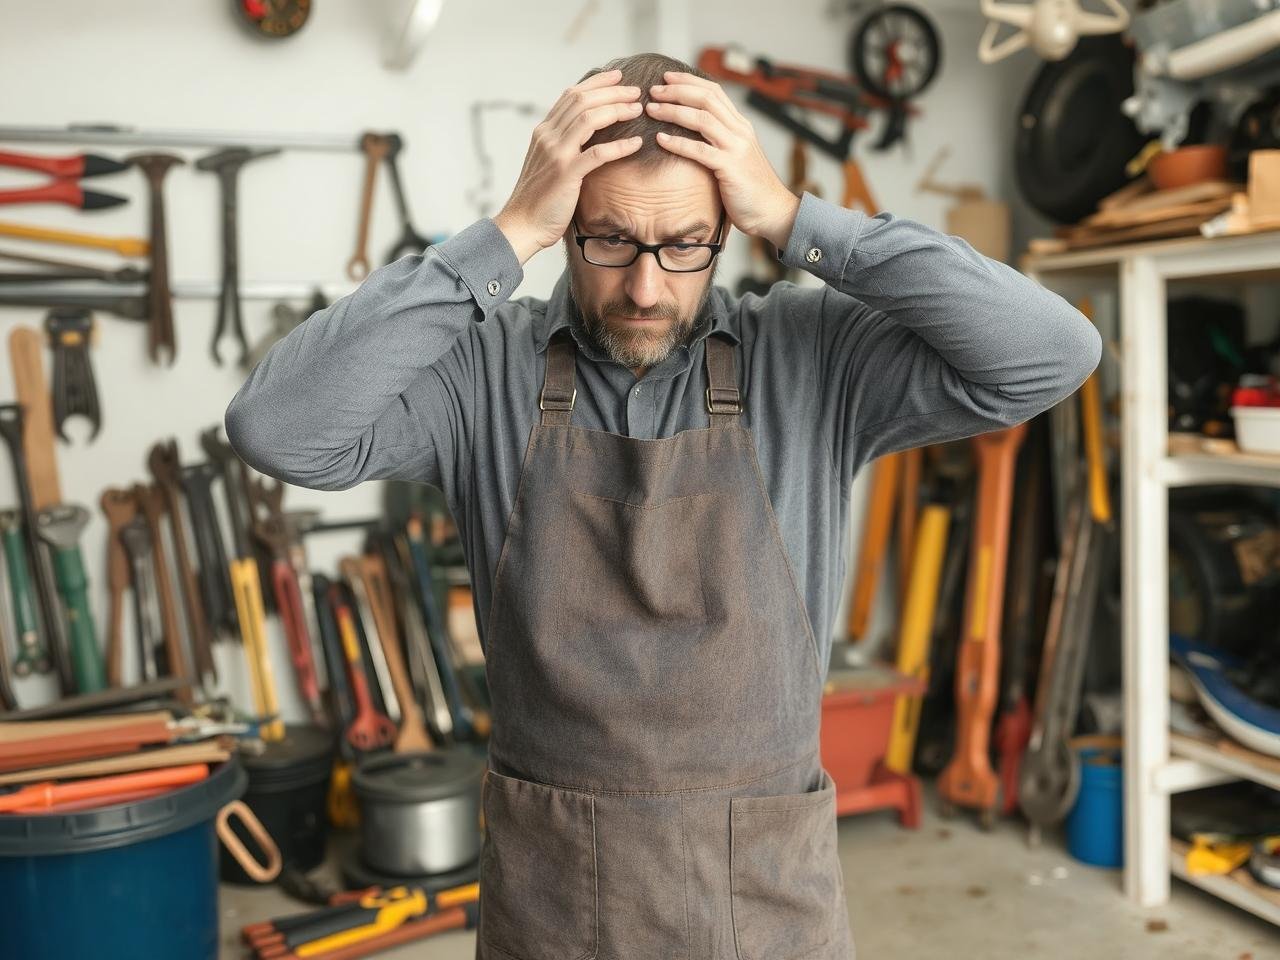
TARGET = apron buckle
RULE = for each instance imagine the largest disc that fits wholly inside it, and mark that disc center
(723, 400)
(556, 400)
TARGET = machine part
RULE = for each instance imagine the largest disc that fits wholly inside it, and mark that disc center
(75, 390)
(1073, 140)
(226, 165)
(968, 780)
(160, 336)
(1050, 27)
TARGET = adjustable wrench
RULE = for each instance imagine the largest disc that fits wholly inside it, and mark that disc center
(61, 526)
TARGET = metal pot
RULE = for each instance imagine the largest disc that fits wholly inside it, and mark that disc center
(420, 812)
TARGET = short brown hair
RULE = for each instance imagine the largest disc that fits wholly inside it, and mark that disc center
(643, 70)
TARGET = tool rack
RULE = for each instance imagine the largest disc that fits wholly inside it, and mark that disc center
(1156, 763)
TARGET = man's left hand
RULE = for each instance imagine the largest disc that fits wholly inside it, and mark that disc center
(756, 201)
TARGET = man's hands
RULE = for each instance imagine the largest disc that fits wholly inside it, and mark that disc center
(546, 193)
(755, 199)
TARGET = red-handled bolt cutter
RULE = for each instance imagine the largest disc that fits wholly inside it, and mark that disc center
(64, 188)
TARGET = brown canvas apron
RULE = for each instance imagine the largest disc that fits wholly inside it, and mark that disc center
(654, 788)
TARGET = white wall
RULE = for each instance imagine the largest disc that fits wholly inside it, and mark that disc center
(190, 66)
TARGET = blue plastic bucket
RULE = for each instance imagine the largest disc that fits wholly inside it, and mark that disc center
(1095, 825)
(124, 882)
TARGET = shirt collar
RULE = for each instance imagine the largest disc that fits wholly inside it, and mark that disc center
(561, 312)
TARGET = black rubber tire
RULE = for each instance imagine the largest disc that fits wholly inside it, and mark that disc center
(1073, 141)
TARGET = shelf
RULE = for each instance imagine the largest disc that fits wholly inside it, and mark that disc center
(1249, 257)
(1187, 469)
(1237, 887)
(1238, 762)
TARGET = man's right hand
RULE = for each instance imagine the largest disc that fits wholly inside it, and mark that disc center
(546, 193)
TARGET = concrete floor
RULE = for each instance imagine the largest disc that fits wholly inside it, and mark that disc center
(946, 891)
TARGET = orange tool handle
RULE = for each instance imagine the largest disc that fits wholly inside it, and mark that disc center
(47, 794)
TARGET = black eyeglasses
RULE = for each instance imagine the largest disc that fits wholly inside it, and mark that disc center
(672, 257)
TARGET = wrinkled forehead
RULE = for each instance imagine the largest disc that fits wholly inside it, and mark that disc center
(660, 201)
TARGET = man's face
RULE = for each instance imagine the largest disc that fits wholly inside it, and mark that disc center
(638, 314)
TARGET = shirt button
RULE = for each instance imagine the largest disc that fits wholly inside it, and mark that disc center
(814, 255)
(494, 288)
(637, 391)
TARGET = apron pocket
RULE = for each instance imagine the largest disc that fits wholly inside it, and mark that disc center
(538, 870)
(785, 874)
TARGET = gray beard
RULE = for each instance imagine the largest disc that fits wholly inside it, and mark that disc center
(635, 349)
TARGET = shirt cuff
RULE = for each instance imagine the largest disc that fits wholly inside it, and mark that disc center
(482, 257)
(823, 238)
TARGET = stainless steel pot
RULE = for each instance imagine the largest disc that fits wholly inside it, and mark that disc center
(420, 812)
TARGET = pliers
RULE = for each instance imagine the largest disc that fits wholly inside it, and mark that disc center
(64, 188)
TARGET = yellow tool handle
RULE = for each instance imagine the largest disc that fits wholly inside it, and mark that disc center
(388, 918)
(248, 591)
(125, 246)
(1091, 422)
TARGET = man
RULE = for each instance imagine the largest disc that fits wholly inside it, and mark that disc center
(651, 480)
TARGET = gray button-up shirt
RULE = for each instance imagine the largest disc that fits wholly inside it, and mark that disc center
(429, 372)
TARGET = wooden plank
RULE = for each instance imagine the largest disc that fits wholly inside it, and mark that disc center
(1126, 217)
(211, 751)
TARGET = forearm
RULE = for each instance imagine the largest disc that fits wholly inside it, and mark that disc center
(995, 327)
(308, 411)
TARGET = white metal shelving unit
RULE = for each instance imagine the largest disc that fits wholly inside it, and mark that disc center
(1156, 764)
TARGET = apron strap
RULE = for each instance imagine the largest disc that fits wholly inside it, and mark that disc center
(558, 390)
(723, 404)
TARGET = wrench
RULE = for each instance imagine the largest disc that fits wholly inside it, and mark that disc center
(120, 508)
(61, 526)
(376, 148)
(74, 388)
(215, 577)
(411, 241)
(151, 500)
(370, 729)
(160, 337)
(353, 573)
(166, 470)
(7, 699)
(137, 544)
(32, 655)
(226, 164)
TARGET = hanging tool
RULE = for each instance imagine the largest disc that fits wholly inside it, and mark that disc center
(908, 515)
(423, 670)
(968, 779)
(146, 604)
(74, 389)
(410, 240)
(371, 729)
(123, 306)
(65, 270)
(420, 553)
(166, 471)
(64, 188)
(1013, 728)
(1050, 775)
(61, 527)
(353, 574)
(26, 353)
(895, 52)
(125, 246)
(226, 165)
(152, 503)
(875, 541)
(214, 568)
(268, 526)
(412, 737)
(246, 583)
(32, 655)
(340, 802)
(160, 336)
(120, 508)
(283, 320)
(376, 149)
(8, 700)
(919, 608)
